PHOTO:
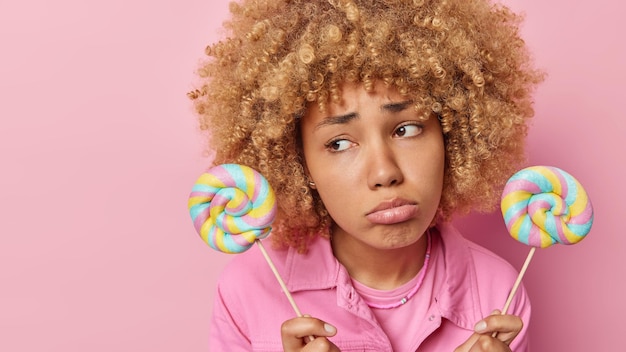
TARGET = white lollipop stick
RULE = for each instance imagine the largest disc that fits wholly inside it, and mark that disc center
(518, 281)
(281, 282)
(279, 278)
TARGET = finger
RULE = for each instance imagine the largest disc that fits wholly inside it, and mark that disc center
(295, 332)
(482, 343)
(504, 327)
(467, 345)
(486, 343)
(320, 344)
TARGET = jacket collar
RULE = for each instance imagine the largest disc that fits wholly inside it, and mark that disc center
(456, 294)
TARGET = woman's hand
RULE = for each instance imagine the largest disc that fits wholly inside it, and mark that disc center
(295, 335)
(506, 326)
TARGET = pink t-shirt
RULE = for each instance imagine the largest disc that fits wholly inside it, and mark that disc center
(408, 316)
(463, 283)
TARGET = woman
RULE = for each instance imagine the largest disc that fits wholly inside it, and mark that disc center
(375, 122)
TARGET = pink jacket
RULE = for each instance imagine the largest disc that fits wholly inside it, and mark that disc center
(470, 282)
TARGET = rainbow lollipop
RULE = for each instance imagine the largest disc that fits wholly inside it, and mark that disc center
(232, 207)
(542, 206)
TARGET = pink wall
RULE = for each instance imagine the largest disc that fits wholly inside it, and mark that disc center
(99, 149)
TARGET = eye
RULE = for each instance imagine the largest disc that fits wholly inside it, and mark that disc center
(338, 145)
(408, 130)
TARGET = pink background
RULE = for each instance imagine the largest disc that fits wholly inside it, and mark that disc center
(99, 149)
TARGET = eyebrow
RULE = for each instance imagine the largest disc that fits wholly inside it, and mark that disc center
(396, 107)
(342, 119)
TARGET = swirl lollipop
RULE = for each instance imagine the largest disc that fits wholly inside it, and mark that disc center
(232, 207)
(542, 206)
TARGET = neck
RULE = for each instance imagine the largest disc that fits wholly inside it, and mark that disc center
(382, 269)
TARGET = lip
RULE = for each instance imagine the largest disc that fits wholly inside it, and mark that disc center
(393, 211)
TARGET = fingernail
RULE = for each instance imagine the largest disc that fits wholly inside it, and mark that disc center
(329, 328)
(480, 326)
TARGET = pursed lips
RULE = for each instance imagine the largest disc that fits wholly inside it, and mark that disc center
(392, 211)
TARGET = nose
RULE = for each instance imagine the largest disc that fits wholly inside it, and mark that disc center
(383, 168)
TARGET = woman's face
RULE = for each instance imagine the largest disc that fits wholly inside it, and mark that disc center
(377, 168)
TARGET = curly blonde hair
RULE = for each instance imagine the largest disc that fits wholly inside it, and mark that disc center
(462, 60)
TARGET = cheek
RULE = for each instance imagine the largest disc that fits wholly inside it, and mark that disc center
(440, 180)
(330, 185)
(329, 198)
(432, 171)
(439, 158)
(438, 175)
(336, 187)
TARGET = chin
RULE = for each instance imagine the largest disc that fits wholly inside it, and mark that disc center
(398, 243)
